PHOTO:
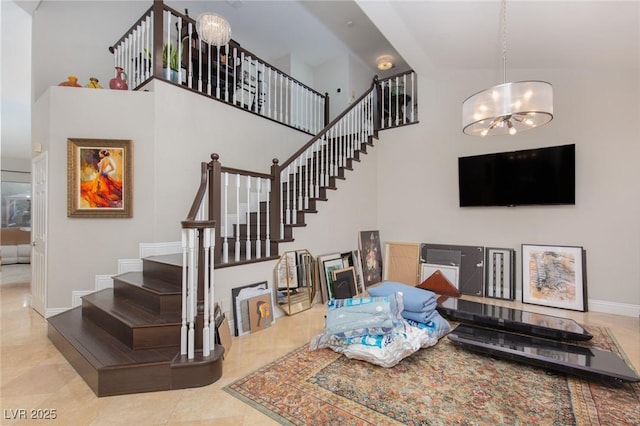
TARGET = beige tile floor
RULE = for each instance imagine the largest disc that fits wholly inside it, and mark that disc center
(34, 375)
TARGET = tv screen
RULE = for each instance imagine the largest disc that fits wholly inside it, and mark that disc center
(541, 176)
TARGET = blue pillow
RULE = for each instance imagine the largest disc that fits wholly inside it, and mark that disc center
(414, 299)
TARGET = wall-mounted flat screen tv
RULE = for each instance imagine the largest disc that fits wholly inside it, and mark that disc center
(541, 176)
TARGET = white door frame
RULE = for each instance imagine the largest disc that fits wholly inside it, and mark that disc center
(39, 225)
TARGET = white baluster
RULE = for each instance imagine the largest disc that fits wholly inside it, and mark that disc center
(307, 177)
(167, 37)
(322, 157)
(218, 65)
(414, 114)
(237, 257)
(281, 88)
(289, 221)
(185, 265)
(209, 49)
(225, 218)
(234, 69)
(226, 72)
(206, 243)
(283, 216)
(248, 245)
(179, 49)
(317, 159)
(300, 170)
(268, 227)
(192, 296)
(212, 304)
(258, 243)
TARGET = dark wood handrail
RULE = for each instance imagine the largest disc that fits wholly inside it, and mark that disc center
(130, 30)
(240, 49)
(244, 172)
(328, 126)
(202, 190)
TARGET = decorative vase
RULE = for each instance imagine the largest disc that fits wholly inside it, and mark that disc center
(94, 84)
(71, 82)
(118, 83)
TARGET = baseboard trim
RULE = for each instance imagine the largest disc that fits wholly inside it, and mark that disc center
(54, 311)
(76, 297)
(103, 281)
(158, 249)
(129, 265)
(625, 309)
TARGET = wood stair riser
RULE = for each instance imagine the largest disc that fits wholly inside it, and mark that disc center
(167, 272)
(159, 303)
(152, 336)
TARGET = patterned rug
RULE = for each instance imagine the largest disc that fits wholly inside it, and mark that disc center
(441, 385)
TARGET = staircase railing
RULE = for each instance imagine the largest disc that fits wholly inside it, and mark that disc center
(198, 260)
(163, 44)
(268, 203)
(254, 211)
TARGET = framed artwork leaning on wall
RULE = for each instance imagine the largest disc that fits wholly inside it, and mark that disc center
(554, 276)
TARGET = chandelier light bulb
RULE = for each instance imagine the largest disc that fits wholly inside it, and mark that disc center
(213, 29)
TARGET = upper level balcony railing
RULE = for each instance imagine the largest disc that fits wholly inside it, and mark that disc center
(163, 44)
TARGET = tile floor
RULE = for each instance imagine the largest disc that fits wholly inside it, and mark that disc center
(34, 375)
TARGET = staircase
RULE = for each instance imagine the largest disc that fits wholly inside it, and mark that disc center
(126, 339)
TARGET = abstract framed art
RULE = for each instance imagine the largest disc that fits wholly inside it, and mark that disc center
(554, 276)
(99, 178)
(500, 273)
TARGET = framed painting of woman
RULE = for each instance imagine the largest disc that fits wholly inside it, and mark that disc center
(99, 178)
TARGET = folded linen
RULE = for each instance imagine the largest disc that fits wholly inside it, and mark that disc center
(414, 299)
(363, 315)
(420, 316)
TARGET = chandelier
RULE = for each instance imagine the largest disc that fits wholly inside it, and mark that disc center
(509, 107)
(213, 29)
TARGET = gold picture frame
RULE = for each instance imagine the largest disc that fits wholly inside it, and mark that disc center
(99, 178)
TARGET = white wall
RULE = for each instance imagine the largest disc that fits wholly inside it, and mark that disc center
(417, 178)
(80, 248)
(72, 38)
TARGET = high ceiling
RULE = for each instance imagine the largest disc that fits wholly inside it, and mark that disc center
(428, 34)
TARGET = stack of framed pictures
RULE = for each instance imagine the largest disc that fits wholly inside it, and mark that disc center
(252, 308)
(340, 275)
(295, 277)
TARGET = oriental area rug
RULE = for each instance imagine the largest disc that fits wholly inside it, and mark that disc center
(440, 385)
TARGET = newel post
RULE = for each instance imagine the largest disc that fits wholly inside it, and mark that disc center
(158, 26)
(326, 109)
(377, 105)
(275, 202)
(215, 201)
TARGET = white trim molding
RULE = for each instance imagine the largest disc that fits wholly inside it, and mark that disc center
(76, 297)
(158, 249)
(626, 309)
(103, 281)
(129, 265)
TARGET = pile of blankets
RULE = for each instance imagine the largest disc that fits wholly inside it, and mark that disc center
(396, 321)
(419, 304)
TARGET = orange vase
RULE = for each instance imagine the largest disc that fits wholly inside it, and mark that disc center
(119, 83)
(71, 82)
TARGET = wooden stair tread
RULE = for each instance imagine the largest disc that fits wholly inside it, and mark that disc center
(151, 284)
(174, 259)
(100, 348)
(129, 312)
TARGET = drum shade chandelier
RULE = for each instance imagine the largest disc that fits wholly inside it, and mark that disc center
(509, 107)
(213, 29)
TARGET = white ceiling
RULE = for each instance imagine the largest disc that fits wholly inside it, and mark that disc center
(442, 34)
